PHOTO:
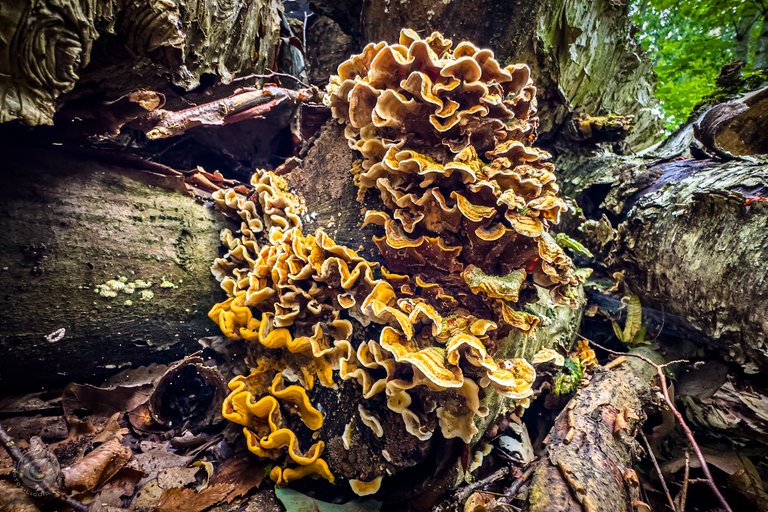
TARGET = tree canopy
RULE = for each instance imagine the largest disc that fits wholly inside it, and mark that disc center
(690, 40)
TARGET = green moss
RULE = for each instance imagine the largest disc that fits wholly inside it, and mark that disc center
(568, 379)
(534, 494)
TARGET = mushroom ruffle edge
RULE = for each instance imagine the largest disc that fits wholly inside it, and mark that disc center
(464, 241)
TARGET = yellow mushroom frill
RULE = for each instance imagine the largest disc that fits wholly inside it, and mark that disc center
(444, 133)
(296, 299)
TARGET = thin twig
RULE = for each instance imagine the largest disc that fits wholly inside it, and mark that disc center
(682, 497)
(658, 471)
(517, 484)
(670, 404)
(273, 74)
(463, 494)
(17, 455)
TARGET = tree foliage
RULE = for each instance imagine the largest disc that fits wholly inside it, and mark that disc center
(690, 40)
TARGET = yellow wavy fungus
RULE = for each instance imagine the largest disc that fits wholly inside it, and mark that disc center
(444, 133)
(263, 421)
(547, 355)
(363, 488)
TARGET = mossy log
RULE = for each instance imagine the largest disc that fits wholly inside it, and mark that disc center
(101, 267)
(110, 48)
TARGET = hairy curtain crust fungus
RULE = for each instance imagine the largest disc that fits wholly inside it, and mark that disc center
(445, 137)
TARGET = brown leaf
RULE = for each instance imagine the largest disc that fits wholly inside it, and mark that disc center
(234, 478)
(97, 467)
(742, 474)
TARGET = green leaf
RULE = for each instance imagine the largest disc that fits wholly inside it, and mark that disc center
(567, 242)
(294, 501)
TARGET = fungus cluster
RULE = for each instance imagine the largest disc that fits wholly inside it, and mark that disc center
(445, 136)
(443, 133)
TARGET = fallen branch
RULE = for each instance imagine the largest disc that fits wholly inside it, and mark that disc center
(670, 404)
(244, 104)
(587, 463)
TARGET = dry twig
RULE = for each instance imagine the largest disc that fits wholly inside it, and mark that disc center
(658, 472)
(244, 104)
(683, 494)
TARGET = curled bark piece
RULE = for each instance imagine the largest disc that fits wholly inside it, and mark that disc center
(736, 128)
(190, 394)
(587, 463)
(97, 467)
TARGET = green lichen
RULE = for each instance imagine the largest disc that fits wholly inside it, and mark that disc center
(113, 287)
(567, 242)
(167, 284)
(146, 295)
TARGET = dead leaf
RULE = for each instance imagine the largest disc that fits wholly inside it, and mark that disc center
(742, 474)
(14, 499)
(236, 477)
(155, 458)
(97, 467)
(111, 494)
(100, 403)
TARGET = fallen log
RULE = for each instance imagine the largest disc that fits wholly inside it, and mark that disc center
(103, 266)
(688, 234)
(588, 461)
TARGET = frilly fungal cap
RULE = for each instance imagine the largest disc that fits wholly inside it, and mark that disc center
(444, 133)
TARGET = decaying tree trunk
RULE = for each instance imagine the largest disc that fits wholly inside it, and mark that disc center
(688, 235)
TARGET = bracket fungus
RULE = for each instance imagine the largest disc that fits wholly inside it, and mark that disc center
(444, 134)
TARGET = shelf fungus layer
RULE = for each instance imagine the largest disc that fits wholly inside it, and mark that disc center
(414, 346)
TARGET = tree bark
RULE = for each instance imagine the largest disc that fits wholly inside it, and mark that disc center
(688, 234)
(78, 234)
(588, 462)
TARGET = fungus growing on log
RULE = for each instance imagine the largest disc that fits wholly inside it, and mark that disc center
(444, 135)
